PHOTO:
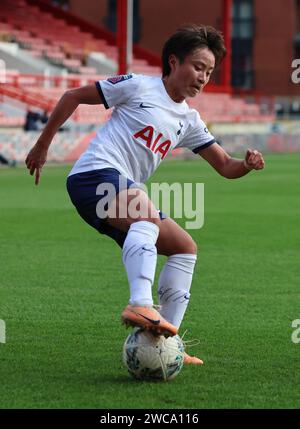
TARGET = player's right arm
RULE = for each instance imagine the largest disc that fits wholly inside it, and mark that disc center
(68, 103)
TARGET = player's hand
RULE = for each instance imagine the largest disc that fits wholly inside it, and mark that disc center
(254, 160)
(35, 160)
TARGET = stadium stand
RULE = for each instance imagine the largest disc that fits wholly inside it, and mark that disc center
(15, 144)
(43, 92)
(33, 40)
(59, 42)
(36, 91)
(221, 108)
(10, 121)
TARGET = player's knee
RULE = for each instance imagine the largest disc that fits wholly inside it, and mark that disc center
(191, 247)
(186, 246)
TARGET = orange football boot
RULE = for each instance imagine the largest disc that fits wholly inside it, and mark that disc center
(147, 318)
(191, 360)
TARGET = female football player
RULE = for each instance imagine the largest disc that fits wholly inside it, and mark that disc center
(150, 118)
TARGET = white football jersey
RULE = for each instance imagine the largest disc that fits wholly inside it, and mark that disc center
(146, 125)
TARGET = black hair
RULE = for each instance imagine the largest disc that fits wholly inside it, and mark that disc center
(190, 37)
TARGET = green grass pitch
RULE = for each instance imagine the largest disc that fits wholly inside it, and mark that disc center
(63, 287)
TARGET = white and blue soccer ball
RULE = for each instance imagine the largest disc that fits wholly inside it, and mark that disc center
(151, 357)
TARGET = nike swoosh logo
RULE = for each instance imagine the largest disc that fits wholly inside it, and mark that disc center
(155, 322)
(143, 106)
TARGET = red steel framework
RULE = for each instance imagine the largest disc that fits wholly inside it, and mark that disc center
(227, 31)
(122, 35)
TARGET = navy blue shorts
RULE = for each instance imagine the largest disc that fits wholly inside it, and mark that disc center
(82, 191)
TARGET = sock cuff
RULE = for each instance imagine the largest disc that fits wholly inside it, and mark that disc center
(183, 261)
(183, 257)
(145, 227)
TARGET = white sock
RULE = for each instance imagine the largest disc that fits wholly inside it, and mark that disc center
(139, 257)
(174, 286)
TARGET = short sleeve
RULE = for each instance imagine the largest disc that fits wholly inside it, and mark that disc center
(197, 136)
(118, 89)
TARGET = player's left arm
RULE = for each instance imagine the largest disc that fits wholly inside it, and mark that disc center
(232, 168)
